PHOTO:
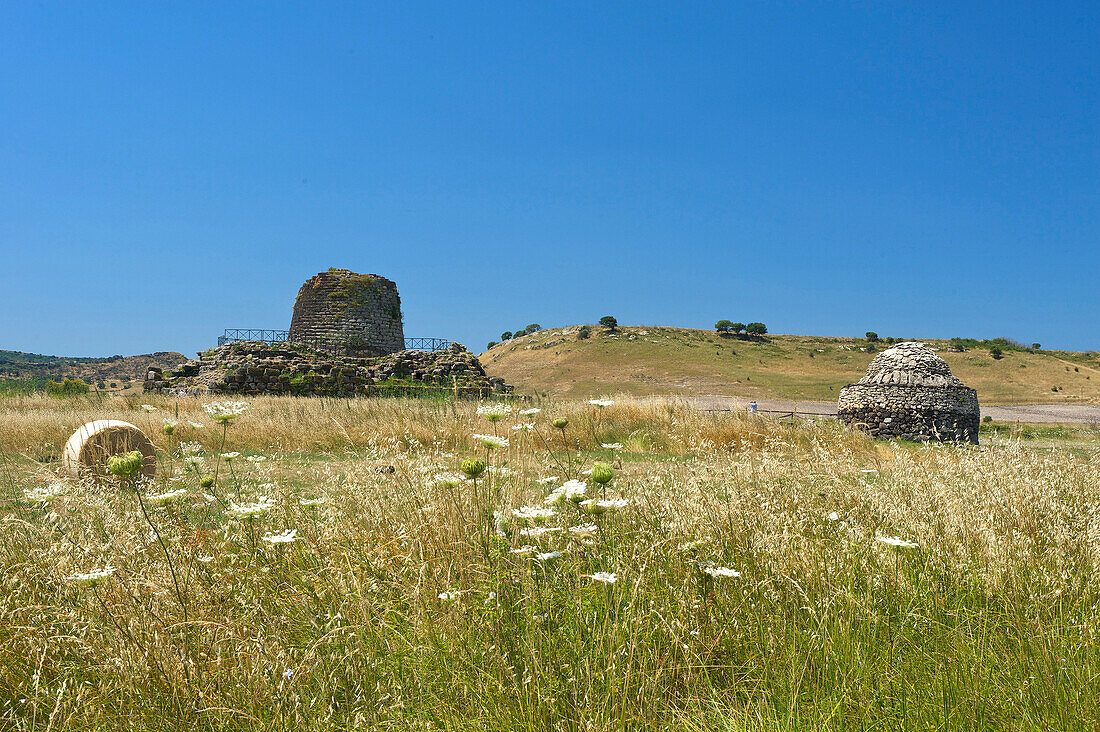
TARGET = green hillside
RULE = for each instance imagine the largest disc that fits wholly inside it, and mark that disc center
(32, 370)
(649, 360)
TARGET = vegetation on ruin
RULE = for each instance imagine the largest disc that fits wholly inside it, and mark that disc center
(324, 564)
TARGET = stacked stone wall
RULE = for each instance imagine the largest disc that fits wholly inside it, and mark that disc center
(252, 367)
(344, 313)
(912, 412)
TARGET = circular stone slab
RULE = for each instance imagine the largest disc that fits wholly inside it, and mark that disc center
(87, 450)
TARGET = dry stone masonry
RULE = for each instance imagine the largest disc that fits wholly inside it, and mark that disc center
(348, 314)
(910, 393)
(255, 367)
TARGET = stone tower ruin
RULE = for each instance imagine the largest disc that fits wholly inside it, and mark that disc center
(342, 312)
(909, 392)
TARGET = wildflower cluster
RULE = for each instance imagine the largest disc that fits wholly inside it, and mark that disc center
(225, 411)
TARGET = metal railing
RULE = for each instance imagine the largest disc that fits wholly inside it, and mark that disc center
(427, 344)
(232, 335)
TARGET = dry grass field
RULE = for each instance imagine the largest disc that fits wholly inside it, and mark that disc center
(341, 572)
(679, 361)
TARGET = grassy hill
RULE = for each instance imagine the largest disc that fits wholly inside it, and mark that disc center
(32, 370)
(648, 360)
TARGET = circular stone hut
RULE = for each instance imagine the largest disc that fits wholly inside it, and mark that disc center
(345, 313)
(910, 393)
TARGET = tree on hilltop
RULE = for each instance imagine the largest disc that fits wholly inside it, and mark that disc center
(609, 322)
(723, 326)
(756, 329)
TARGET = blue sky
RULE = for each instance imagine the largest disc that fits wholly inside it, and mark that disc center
(168, 170)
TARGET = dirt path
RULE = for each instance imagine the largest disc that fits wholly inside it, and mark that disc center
(1054, 413)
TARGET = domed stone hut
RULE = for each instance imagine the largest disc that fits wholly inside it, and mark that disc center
(345, 313)
(909, 392)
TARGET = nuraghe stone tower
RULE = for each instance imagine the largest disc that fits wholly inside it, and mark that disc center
(341, 312)
(909, 392)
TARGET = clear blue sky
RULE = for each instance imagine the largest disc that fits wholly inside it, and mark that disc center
(168, 170)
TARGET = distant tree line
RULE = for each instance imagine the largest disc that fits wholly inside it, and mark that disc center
(725, 327)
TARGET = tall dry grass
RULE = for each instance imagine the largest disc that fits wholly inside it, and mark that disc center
(405, 603)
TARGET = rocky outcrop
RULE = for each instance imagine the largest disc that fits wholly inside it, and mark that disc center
(910, 393)
(349, 314)
(254, 367)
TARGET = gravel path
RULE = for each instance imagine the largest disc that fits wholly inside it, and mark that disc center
(1059, 413)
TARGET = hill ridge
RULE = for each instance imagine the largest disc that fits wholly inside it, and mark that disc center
(666, 360)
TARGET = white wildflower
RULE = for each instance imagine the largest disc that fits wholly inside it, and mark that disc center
(190, 448)
(311, 501)
(529, 412)
(205, 559)
(607, 578)
(534, 513)
(230, 456)
(94, 577)
(255, 458)
(611, 445)
(286, 537)
(448, 480)
(536, 532)
(160, 499)
(494, 412)
(547, 556)
(721, 572)
(45, 493)
(525, 549)
(251, 510)
(196, 425)
(524, 427)
(549, 480)
(225, 411)
(571, 490)
(898, 542)
(598, 506)
(834, 516)
(449, 595)
(195, 460)
(601, 402)
(584, 531)
(491, 441)
(148, 407)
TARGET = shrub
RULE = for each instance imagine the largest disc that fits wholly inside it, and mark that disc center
(506, 335)
(68, 387)
(871, 336)
(756, 329)
(584, 332)
(723, 326)
(609, 322)
(490, 344)
(1036, 346)
(987, 418)
(996, 353)
(533, 328)
(737, 328)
